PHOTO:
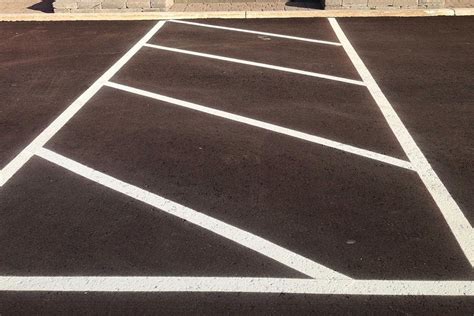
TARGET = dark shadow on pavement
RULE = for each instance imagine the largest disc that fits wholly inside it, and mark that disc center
(306, 4)
(45, 6)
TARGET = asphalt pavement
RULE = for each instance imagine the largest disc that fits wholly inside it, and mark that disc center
(244, 166)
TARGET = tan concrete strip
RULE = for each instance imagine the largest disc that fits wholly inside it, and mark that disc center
(464, 11)
(22, 6)
(125, 16)
(231, 15)
(350, 13)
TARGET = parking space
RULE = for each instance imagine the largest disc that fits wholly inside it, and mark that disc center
(293, 100)
(258, 180)
(82, 228)
(245, 157)
(307, 54)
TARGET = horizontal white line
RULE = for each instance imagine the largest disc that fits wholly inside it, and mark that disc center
(457, 222)
(235, 284)
(257, 32)
(13, 166)
(246, 239)
(256, 64)
(267, 126)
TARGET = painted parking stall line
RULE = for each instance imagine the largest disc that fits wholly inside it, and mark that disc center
(267, 126)
(325, 280)
(256, 64)
(238, 285)
(309, 40)
(246, 239)
(458, 223)
(13, 166)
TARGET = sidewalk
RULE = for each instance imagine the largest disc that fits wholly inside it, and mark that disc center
(26, 6)
(16, 10)
(45, 6)
(247, 6)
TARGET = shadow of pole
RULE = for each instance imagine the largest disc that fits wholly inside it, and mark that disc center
(45, 6)
(306, 4)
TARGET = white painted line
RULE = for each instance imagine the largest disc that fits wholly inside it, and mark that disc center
(267, 126)
(13, 166)
(257, 32)
(256, 64)
(459, 225)
(233, 285)
(246, 239)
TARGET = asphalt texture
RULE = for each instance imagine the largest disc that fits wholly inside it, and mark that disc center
(44, 68)
(429, 86)
(361, 217)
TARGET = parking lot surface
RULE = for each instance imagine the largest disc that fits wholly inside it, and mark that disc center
(265, 166)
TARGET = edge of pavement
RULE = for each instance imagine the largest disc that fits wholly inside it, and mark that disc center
(127, 16)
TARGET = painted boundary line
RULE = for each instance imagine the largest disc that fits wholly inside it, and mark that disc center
(232, 285)
(331, 283)
(130, 16)
(457, 222)
(13, 166)
(257, 64)
(256, 32)
(267, 126)
(244, 238)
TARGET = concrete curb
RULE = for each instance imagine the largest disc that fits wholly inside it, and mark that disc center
(464, 11)
(127, 16)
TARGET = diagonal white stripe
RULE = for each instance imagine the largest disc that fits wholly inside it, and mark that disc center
(246, 239)
(256, 64)
(297, 38)
(459, 225)
(13, 166)
(267, 126)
